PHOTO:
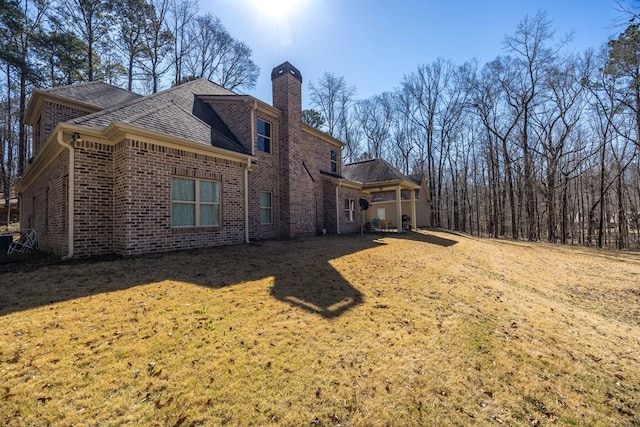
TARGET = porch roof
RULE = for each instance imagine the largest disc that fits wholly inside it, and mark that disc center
(377, 173)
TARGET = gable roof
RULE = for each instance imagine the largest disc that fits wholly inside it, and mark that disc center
(88, 96)
(416, 177)
(97, 94)
(372, 171)
(175, 112)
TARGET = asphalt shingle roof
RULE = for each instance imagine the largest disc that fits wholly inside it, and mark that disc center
(99, 94)
(370, 171)
(176, 112)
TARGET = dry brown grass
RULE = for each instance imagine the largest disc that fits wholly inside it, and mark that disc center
(426, 328)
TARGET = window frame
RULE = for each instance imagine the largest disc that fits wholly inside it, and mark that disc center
(349, 210)
(264, 139)
(266, 208)
(334, 161)
(197, 203)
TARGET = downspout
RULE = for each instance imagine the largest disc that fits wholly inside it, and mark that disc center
(246, 201)
(253, 125)
(71, 199)
(246, 171)
(338, 207)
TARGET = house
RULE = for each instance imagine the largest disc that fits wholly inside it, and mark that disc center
(193, 166)
(391, 194)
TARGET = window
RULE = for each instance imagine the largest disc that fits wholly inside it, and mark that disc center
(381, 213)
(350, 210)
(266, 208)
(195, 203)
(264, 136)
(334, 161)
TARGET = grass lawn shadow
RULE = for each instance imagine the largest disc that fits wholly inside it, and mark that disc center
(300, 268)
(424, 236)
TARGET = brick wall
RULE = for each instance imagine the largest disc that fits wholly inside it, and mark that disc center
(93, 210)
(51, 115)
(354, 194)
(329, 204)
(318, 158)
(266, 173)
(236, 116)
(142, 198)
(266, 176)
(299, 191)
(44, 207)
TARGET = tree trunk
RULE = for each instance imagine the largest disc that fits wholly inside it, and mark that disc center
(602, 194)
(512, 199)
(22, 131)
(551, 202)
(622, 218)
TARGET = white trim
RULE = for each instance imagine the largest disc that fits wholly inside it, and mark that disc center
(71, 196)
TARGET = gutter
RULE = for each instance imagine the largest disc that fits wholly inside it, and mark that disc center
(71, 198)
(246, 201)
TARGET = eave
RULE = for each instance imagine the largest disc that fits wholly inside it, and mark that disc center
(39, 96)
(248, 99)
(322, 135)
(112, 135)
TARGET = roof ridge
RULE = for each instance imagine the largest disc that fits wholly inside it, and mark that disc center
(362, 161)
(143, 98)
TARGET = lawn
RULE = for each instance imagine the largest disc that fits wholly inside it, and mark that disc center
(425, 328)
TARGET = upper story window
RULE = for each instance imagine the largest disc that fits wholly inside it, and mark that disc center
(195, 203)
(263, 130)
(334, 161)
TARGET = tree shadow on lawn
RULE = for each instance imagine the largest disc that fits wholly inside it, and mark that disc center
(302, 274)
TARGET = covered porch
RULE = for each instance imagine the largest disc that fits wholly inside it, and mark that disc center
(392, 206)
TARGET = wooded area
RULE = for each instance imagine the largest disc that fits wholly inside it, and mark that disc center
(539, 143)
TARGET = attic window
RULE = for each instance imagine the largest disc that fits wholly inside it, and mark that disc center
(334, 161)
(264, 136)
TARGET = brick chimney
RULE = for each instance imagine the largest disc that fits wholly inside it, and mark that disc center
(296, 185)
(287, 90)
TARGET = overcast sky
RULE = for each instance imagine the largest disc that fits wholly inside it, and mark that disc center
(373, 44)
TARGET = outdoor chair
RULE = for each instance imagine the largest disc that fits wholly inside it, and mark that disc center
(26, 243)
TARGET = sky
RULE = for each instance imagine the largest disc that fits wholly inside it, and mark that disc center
(373, 44)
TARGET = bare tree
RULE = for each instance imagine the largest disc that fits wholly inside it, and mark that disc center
(217, 56)
(20, 22)
(557, 117)
(132, 26)
(157, 43)
(334, 99)
(532, 57)
(500, 121)
(404, 131)
(91, 24)
(181, 15)
(375, 115)
(424, 90)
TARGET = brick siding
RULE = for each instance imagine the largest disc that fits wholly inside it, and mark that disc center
(142, 198)
(52, 114)
(123, 190)
(44, 207)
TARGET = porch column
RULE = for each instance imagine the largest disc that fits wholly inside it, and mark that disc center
(413, 209)
(399, 209)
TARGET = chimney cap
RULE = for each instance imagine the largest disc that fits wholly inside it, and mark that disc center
(286, 68)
